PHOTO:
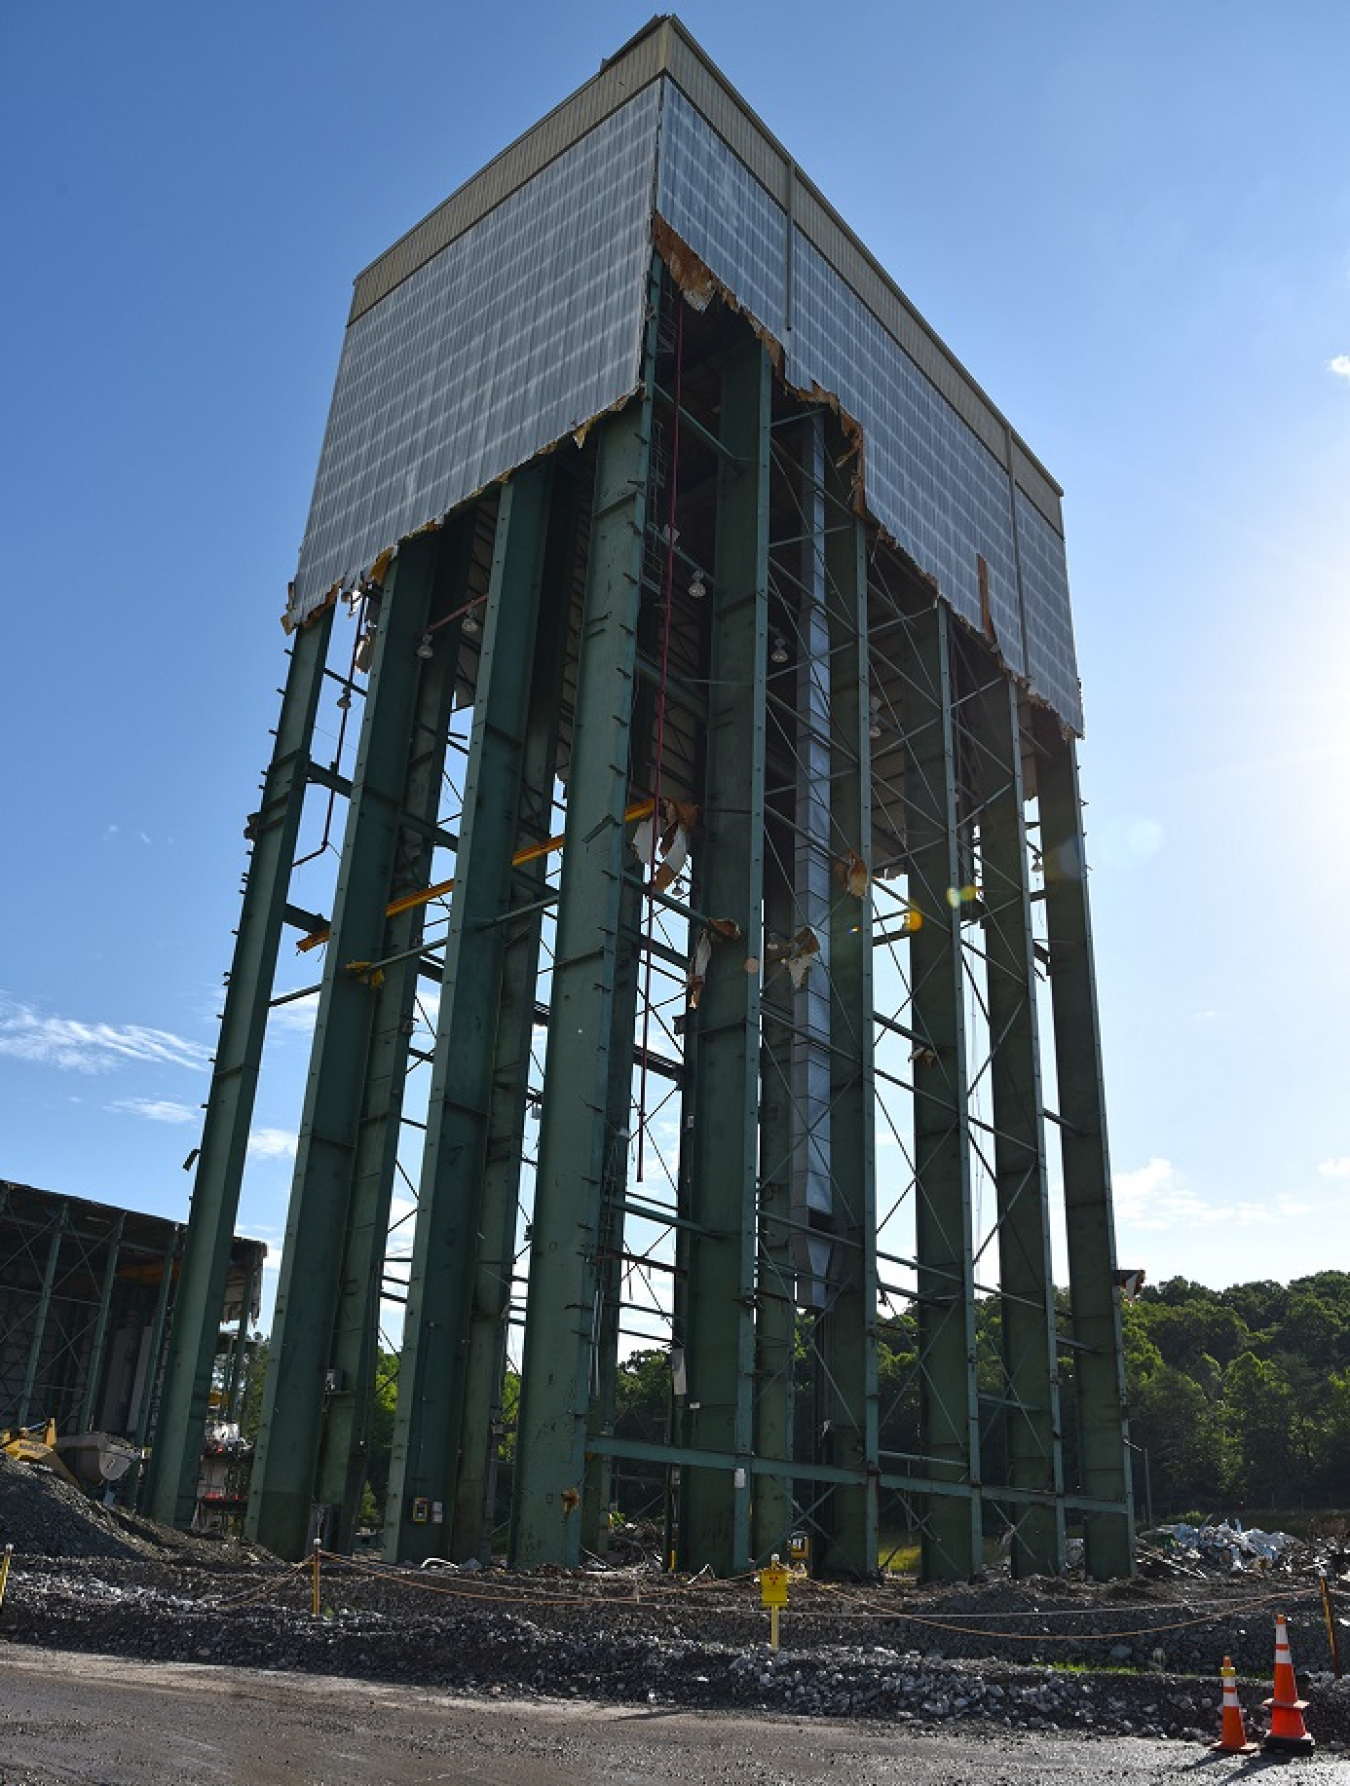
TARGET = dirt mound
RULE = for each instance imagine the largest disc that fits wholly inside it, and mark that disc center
(43, 1516)
(40, 1515)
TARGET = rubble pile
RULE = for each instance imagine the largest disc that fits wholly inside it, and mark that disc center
(881, 1653)
(41, 1513)
(1135, 1657)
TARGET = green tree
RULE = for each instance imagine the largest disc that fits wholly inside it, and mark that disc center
(1258, 1418)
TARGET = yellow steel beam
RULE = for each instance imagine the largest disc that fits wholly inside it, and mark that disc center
(641, 809)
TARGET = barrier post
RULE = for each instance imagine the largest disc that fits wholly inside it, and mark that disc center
(4, 1573)
(315, 1595)
(1333, 1640)
(773, 1594)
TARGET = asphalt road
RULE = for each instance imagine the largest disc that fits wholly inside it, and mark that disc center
(94, 1719)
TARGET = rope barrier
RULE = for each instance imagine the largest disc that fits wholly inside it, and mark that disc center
(858, 1610)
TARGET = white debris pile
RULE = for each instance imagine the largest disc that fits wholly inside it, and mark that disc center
(1227, 1545)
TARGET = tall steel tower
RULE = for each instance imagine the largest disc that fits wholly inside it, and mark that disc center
(686, 639)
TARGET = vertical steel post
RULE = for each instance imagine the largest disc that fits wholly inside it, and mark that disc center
(948, 1390)
(1025, 1277)
(40, 1314)
(556, 1371)
(176, 1458)
(234, 1396)
(445, 1246)
(349, 1408)
(720, 1308)
(849, 1327)
(155, 1363)
(281, 1497)
(1099, 1366)
(84, 1419)
(775, 1323)
(485, 1358)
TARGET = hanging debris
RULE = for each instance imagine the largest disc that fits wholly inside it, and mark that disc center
(799, 957)
(678, 819)
(716, 930)
(855, 874)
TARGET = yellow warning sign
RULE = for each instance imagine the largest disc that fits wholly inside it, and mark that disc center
(773, 1587)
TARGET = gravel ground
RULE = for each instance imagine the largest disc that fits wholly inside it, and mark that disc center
(86, 1719)
(1124, 1658)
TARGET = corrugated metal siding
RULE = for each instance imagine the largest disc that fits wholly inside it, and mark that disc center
(1053, 666)
(553, 136)
(525, 326)
(513, 313)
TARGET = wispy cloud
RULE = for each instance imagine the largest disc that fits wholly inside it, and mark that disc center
(156, 1109)
(1340, 366)
(272, 1144)
(296, 1017)
(75, 1046)
(1338, 1168)
(1157, 1197)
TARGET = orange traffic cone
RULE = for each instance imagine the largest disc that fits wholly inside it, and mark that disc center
(1232, 1735)
(1287, 1732)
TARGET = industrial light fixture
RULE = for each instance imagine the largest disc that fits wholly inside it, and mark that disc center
(874, 726)
(471, 626)
(697, 587)
(344, 700)
(779, 653)
(424, 646)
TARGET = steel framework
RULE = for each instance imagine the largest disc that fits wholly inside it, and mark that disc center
(791, 1111)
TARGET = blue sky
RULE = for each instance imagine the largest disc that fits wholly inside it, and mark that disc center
(1130, 222)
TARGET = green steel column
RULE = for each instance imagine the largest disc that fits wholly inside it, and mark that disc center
(720, 1309)
(84, 1420)
(485, 1361)
(776, 1319)
(282, 1494)
(440, 1290)
(849, 1327)
(176, 1459)
(619, 1116)
(234, 1399)
(1030, 1358)
(555, 1378)
(40, 1313)
(349, 1409)
(1099, 1367)
(948, 1395)
(145, 1407)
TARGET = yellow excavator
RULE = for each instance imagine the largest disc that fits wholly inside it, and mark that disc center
(36, 1445)
(91, 1462)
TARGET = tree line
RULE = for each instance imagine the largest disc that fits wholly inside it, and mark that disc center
(1239, 1399)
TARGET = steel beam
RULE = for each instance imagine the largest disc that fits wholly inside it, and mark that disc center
(775, 1322)
(720, 1302)
(355, 1351)
(176, 1458)
(84, 1419)
(848, 1327)
(485, 1363)
(426, 1460)
(574, 1134)
(948, 1390)
(1098, 1358)
(282, 1494)
(40, 1313)
(1027, 1309)
(155, 1362)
